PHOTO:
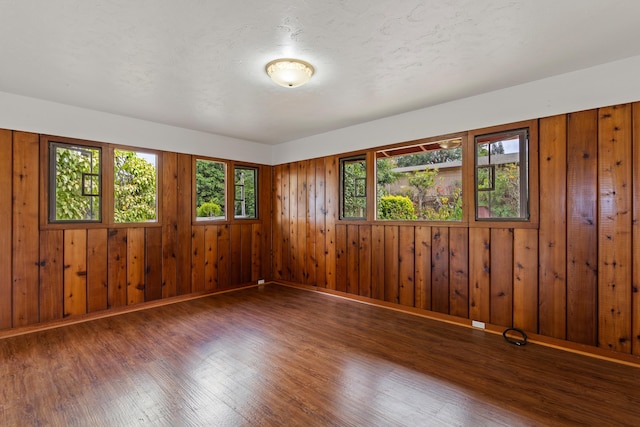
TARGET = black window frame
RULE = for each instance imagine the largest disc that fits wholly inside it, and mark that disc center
(353, 159)
(524, 173)
(52, 147)
(256, 191)
(226, 167)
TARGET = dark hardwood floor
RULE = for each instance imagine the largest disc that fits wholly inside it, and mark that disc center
(278, 356)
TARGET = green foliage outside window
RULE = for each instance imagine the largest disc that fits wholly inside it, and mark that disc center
(431, 180)
(245, 185)
(210, 189)
(77, 184)
(134, 188)
(71, 162)
(354, 188)
(504, 200)
(448, 207)
(431, 157)
(396, 207)
(422, 182)
(501, 181)
(208, 210)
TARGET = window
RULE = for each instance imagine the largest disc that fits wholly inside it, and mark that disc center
(135, 188)
(501, 175)
(210, 190)
(245, 184)
(90, 182)
(353, 184)
(75, 183)
(420, 182)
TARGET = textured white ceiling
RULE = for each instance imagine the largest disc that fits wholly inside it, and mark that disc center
(199, 64)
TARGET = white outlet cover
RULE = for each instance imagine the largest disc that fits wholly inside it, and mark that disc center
(477, 324)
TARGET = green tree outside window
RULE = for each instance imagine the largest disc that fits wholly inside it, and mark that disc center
(134, 187)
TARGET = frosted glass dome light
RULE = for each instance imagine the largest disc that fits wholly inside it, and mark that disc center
(289, 72)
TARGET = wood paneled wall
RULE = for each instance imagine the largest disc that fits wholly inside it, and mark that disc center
(51, 274)
(575, 277)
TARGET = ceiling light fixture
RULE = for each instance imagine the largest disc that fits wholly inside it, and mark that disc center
(450, 143)
(289, 72)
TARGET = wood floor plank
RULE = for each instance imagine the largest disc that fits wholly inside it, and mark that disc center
(258, 357)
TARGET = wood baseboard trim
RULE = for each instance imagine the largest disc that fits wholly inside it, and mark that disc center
(7, 333)
(586, 350)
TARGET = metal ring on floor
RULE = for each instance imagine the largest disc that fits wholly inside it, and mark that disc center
(515, 341)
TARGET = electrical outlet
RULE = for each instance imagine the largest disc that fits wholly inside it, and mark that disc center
(261, 282)
(477, 324)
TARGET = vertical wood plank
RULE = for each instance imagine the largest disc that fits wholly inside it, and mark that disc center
(321, 232)
(635, 301)
(51, 276)
(332, 202)
(265, 255)
(391, 267)
(25, 229)
(117, 268)
(293, 224)
(406, 265)
(502, 277)
(6, 227)
(75, 272)
(183, 252)
(285, 223)
(97, 273)
(302, 222)
(553, 227)
(235, 265)
(169, 223)
(312, 229)
(440, 269)
(614, 257)
(277, 224)
(135, 266)
(341, 257)
(211, 257)
(257, 253)
(582, 219)
(153, 263)
(224, 253)
(423, 267)
(525, 279)
(245, 254)
(377, 262)
(353, 257)
(459, 272)
(479, 274)
(364, 261)
(197, 258)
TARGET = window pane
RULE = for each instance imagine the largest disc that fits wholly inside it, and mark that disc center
(245, 197)
(75, 183)
(501, 176)
(353, 176)
(135, 186)
(422, 182)
(210, 190)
